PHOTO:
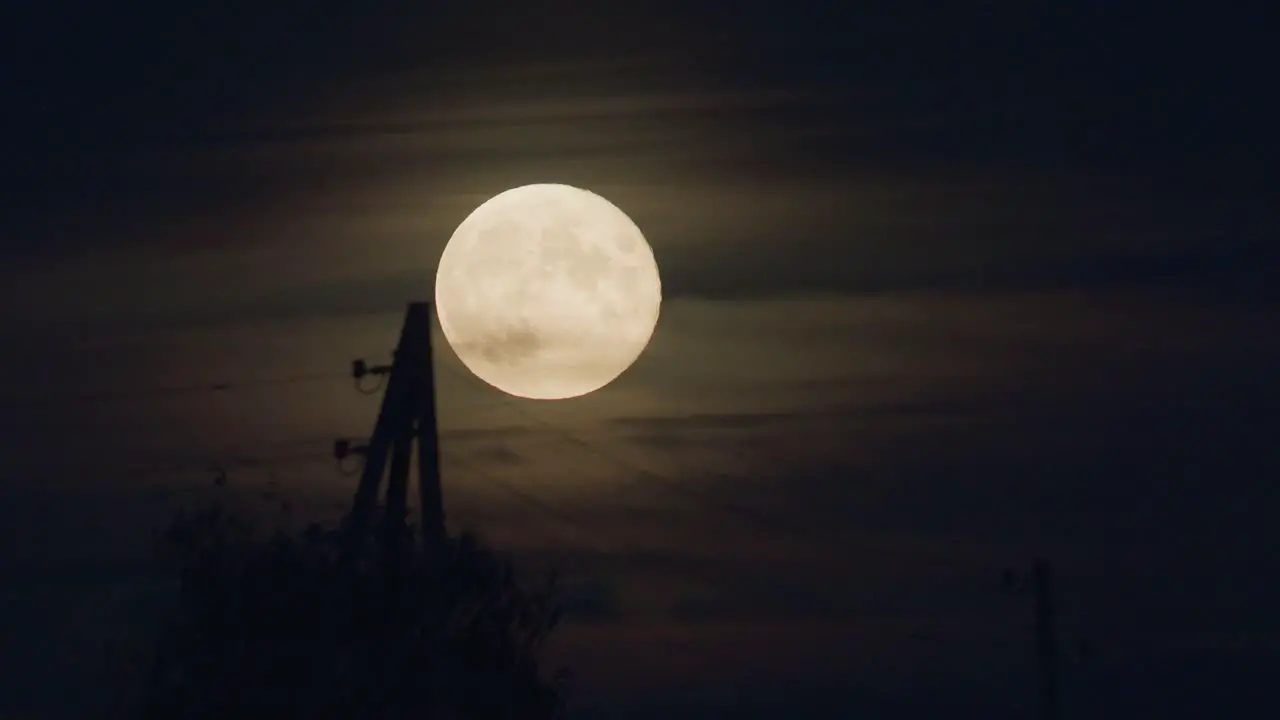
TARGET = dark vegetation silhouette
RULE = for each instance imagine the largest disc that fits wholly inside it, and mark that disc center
(280, 623)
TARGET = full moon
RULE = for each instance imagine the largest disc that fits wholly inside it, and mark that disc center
(548, 292)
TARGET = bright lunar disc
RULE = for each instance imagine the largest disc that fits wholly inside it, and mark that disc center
(548, 292)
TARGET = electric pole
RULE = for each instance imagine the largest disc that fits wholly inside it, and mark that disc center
(407, 416)
(1041, 585)
(1046, 638)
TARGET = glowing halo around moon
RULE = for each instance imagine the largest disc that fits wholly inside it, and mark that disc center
(548, 292)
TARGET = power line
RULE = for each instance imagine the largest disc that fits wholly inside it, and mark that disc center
(193, 388)
(577, 526)
(607, 456)
(723, 567)
(271, 461)
(211, 463)
(762, 519)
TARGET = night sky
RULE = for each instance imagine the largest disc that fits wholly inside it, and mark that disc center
(944, 291)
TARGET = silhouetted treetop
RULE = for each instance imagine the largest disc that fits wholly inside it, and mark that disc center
(279, 623)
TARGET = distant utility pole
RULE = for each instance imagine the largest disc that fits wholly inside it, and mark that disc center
(1046, 638)
(1046, 633)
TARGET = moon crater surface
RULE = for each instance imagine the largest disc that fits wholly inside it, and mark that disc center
(548, 291)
